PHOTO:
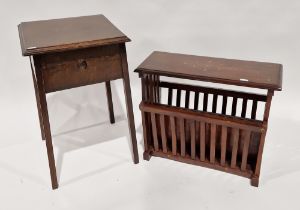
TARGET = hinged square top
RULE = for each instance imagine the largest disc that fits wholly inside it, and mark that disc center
(44, 36)
(219, 70)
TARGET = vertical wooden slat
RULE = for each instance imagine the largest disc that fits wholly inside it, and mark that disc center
(154, 132)
(205, 99)
(233, 108)
(146, 88)
(212, 142)
(143, 88)
(244, 107)
(151, 88)
(214, 105)
(235, 139)
(202, 141)
(193, 140)
(224, 104)
(155, 88)
(148, 82)
(246, 137)
(196, 101)
(174, 140)
(223, 145)
(254, 109)
(178, 98)
(170, 96)
(163, 133)
(149, 132)
(187, 99)
(146, 142)
(158, 89)
(182, 138)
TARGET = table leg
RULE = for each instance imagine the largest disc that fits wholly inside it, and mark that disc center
(130, 116)
(110, 102)
(46, 123)
(37, 100)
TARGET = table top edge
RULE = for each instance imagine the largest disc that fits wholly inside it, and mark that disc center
(278, 86)
(73, 46)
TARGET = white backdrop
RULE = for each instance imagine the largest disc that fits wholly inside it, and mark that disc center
(93, 161)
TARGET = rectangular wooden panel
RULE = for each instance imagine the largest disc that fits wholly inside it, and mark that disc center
(202, 141)
(223, 145)
(173, 131)
(182, 137)
(235, 139)
(76, 68)
(163, 133)
(203, 116)
(154, 132)
(212, 143)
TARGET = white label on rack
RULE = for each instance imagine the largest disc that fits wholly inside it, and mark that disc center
(244, 80)
(30, 48)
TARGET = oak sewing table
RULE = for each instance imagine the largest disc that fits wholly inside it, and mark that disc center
(72, 52)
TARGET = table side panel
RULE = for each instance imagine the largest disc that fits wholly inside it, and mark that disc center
(65, 70)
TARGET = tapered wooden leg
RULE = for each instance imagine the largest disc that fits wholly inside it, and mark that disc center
(40, 115)
(146, 156)
(110, 102)
(37, 100)
(255, 181)
(128, 99)
(47, 131)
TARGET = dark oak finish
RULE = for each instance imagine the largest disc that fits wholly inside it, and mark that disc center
(73, 52)
(198, 133)
(39, 37)
(81, 67)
